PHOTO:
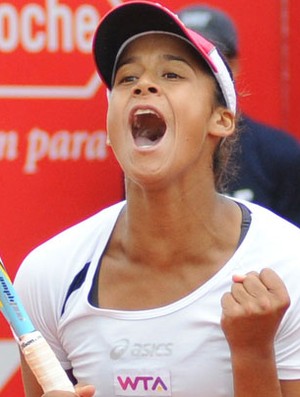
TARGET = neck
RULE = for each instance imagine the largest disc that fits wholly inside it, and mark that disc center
(163, 228)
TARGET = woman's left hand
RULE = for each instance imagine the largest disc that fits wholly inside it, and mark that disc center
(253, 310)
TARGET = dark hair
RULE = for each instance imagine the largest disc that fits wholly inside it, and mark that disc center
(224, 162)
(224, 158)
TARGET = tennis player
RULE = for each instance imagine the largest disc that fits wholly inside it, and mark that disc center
(178, 291)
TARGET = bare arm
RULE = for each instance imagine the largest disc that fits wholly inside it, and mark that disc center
(252, 312)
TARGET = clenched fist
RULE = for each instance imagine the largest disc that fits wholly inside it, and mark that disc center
(253, 310)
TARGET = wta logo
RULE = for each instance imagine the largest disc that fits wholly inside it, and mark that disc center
(150, 383)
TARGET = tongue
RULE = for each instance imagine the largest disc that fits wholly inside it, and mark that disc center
(148, 136)
(144, 141)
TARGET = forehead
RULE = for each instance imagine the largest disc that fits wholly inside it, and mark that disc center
(152, 43)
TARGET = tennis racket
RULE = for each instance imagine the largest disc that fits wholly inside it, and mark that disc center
(37, 352)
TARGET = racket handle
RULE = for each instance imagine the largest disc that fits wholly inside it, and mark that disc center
(44, 364)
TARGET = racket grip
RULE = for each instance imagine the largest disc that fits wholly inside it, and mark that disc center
(44, 364)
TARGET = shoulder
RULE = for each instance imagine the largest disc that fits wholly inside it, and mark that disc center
(56, 261)
(272, 242)
(261, 214)
(271, 232)
(81, 236)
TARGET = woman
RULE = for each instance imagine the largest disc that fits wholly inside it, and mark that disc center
(179, 291)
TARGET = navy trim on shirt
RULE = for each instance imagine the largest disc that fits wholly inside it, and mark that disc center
(76, 284)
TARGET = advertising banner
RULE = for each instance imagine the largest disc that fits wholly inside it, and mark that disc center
(55, 166)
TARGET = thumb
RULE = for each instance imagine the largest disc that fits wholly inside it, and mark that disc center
(85, 391)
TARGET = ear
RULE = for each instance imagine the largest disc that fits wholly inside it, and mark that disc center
(222, 122)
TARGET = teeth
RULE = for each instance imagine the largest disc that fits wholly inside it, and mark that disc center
(144, 111)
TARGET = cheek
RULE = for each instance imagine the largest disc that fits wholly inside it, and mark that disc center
(192, 121)
(116, 131)
(113, 120)
(109, 122)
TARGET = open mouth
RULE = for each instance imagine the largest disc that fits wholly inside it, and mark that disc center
(148, 127)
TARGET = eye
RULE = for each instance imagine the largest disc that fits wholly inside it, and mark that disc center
(126, 79)
(171, 76)
(126, 74)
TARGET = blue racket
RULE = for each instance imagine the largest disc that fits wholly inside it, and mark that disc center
(37, 352)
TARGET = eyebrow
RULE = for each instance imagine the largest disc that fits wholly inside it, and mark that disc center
(167, 57)
(170, 57)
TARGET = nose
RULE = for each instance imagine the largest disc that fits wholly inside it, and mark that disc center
(145, 87)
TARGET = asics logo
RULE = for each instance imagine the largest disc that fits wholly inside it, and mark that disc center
(124, 346)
